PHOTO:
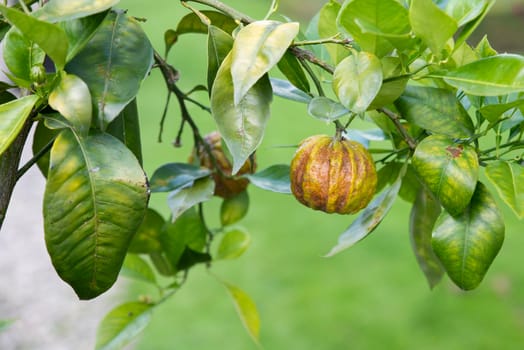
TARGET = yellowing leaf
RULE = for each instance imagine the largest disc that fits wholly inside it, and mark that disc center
(257, 48)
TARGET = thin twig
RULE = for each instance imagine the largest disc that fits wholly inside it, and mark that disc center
(395, 118)
(35, 159)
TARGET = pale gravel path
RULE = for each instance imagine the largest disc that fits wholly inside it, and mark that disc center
(47, 312)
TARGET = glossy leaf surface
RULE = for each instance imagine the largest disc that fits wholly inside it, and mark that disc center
(126, 128)
(246, 310)
(431, 24)
(368, 219)
(172, 176)
(72, 99)
(495, 111)
(122, 324)
(257, 48)
(20, 54)
(241, 124)
(191, 23)
(290, 66)
(64, 10)
(283, 88)
(187, 231)
(219, 44)
(508, 179)
(49, 37)
(233, 209)
(79, 31)
(357, 81)
(13, 116)
(464, 11)
(326, 109)
(275, 179)
(137, 268)
(113, 64)
(327, 27)
(233, 244)
(491, 76)
(147, 237)
(436, 110)
(424, 214)
(185, 197)
(467, 244)
(450, 171)
(95, 199)
(373, 23)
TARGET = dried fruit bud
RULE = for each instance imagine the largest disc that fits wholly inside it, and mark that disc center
(335, 176)
(225, 187)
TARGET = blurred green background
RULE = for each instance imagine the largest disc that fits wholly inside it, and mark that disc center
(372, 296)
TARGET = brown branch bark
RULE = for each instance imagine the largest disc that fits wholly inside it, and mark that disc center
(9, 162)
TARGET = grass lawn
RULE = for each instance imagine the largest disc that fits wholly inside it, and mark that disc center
(370, 297)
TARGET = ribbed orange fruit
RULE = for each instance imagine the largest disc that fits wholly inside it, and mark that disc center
(225, 187)
(335, 176)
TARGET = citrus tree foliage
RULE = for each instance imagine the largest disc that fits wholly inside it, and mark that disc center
(444, 113)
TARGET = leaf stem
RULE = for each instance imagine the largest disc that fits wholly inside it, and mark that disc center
(395, 118)
(310, 72)
(331, 40)
(35, 159)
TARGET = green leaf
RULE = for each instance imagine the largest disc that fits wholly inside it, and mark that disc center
(234, 243)
(137, 268)
(187, 231)
(464, 11)
(357, 81)
(147, 238)
(162, 264)
(257, 48)
(449, 169)
(185, 197)
(436, 110)
(424, 214)
(392, 86)
(327, 27)
(285, 89)
(14, 115)
(191, 23)
(241, 124)
(113, 64)
(494, 112)
(50, 37)
(290, 66)
(72, 99)
(484, 48)
(275, 179)
(467, 244)
(508, 179)
(246, 310)
(385, 17)
(219, 44)
(126, 128)
(64, 10)
(431, 24)
(233, 209)
(490, 76)
(368, 219)
(95, 199)
(326, 109)
(20, 55)
(122, 324)
(79, 31)
(190, 258)
(41, 138)
(173, 176)
(470, 27)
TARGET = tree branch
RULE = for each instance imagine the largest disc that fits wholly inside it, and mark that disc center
(9, 162)
(243, 18)
(396, 120)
